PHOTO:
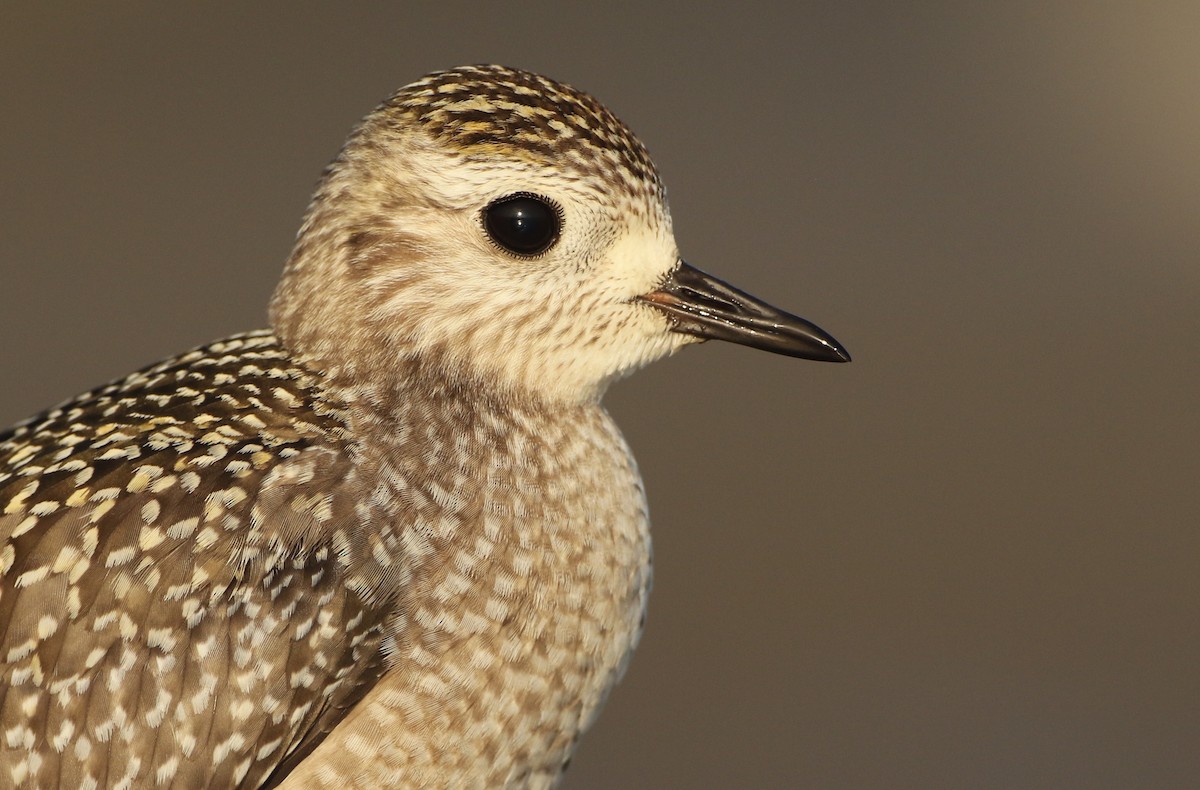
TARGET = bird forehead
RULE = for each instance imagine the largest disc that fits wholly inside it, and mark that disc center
(494, 111)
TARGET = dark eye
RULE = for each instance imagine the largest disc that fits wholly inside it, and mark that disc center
(523, 224)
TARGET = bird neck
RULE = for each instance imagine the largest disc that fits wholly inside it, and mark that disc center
(383, 391)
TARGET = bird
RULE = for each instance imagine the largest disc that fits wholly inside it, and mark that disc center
(394, 539)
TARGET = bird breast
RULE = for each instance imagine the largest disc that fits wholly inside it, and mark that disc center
(525, 538)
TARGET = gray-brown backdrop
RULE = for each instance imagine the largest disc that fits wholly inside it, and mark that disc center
(969, 559)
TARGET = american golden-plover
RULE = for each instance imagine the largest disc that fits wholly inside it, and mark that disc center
(393, 541)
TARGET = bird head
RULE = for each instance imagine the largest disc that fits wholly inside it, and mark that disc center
(511, 233)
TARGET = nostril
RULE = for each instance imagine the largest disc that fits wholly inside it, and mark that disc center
(707, 299)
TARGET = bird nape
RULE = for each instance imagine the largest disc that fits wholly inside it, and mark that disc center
(394, 540)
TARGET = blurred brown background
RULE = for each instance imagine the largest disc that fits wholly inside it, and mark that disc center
(971, 559)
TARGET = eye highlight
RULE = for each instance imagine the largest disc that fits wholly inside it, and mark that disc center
(523, 223)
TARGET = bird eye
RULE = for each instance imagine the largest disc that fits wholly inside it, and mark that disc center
(523, 223)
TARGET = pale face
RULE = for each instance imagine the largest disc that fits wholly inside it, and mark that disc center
(562, 323)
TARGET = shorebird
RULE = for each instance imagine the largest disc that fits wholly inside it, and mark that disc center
(394, 540)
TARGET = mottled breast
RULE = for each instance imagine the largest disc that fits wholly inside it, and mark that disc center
(525, 537)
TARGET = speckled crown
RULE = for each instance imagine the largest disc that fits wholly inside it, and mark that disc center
(482, 109)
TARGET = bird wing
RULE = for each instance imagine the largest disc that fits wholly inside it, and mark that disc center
(177, 604)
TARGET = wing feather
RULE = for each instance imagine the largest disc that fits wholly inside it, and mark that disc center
(175, 599)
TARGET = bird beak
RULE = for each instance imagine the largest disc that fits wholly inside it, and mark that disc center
(701, 305)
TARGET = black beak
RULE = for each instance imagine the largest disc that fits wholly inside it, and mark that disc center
(701, 305)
